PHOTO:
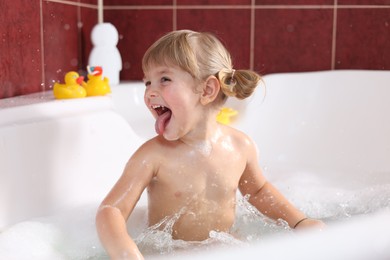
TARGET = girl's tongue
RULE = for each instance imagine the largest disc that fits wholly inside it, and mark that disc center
(162, 120)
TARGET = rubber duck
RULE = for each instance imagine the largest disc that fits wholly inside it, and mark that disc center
(72, 87)
(96, 86)
(225, 114)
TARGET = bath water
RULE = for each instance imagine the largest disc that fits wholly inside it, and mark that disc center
(72, 234)
(250, 226)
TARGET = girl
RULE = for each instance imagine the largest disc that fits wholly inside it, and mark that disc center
(194, 166)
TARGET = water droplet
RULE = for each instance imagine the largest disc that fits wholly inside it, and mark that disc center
(290, 28)
(126, 65)
(74, 62)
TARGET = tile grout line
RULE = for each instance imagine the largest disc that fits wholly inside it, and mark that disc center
(252, 5)
(252, 37)
(80, 55)
(43, 87)
(68, 2)
(211, 7)
(174, 15)
(334, 34)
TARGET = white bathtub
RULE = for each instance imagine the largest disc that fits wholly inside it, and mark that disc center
(323, 139)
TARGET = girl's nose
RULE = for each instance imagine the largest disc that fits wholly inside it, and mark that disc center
(151, 92)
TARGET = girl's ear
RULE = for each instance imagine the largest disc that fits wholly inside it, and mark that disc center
(210, 90)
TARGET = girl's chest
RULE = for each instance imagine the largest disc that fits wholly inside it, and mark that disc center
(208, 175)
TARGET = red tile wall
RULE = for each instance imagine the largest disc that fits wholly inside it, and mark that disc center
(43, 39)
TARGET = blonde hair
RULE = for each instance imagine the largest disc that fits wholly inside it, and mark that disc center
(201, 55)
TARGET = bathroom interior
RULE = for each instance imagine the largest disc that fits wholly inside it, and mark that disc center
(44, 39)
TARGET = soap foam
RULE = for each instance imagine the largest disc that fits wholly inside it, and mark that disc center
(67, 235)
(72, 234)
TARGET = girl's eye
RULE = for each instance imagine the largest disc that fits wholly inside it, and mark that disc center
(147, 83)
(164, 79)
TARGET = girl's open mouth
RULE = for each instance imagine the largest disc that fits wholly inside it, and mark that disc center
(163, 117)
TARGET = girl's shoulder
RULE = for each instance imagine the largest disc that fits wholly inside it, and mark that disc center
(238, 137)
(243, 144)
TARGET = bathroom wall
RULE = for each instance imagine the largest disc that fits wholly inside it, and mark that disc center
(43, 39)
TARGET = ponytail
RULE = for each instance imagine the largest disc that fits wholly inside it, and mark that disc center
(238, 83)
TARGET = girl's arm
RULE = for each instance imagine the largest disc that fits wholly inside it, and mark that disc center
(266, 198)
(117, 206)
(111, 227)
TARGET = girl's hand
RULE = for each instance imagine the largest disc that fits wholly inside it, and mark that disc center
(131, 256)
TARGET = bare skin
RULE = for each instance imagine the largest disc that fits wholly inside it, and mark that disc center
(195, 166)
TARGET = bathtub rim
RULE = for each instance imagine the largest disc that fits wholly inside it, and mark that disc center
(41, 106)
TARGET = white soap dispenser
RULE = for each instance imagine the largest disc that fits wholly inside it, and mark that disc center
(104, 53)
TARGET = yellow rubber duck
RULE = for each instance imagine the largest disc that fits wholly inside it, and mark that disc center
(225, 114)
(72, 87)
(96, 86)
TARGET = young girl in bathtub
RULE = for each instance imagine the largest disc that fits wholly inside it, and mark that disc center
(194, 165)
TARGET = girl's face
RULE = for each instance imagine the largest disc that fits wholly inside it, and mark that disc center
(171, 97)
